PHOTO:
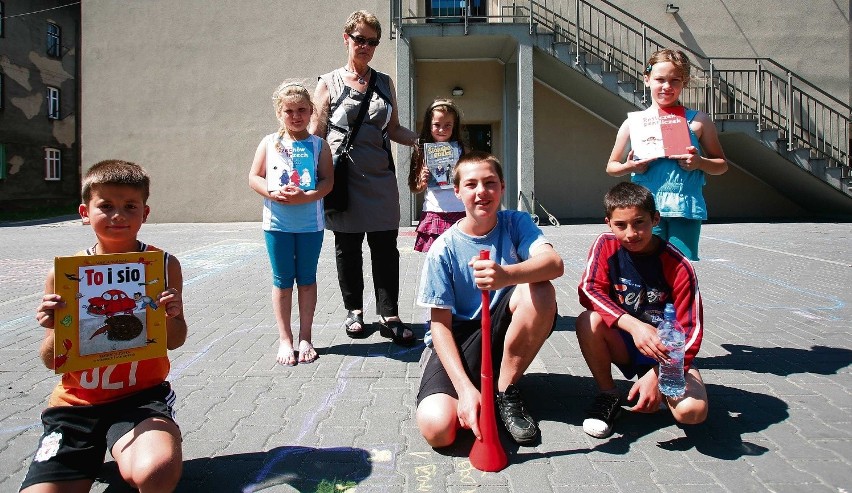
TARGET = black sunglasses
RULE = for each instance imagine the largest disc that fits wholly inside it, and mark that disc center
(361, 40)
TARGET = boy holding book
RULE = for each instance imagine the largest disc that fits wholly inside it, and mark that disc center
(630, 275)
(523, 307)
(126, 408)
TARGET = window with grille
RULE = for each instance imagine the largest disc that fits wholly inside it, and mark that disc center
(52, 164)
(53, 103)
(453, 10)
(54, 40)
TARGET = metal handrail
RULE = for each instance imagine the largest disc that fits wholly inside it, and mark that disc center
(756, 88)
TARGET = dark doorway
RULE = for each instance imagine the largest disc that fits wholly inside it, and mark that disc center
(478, 137)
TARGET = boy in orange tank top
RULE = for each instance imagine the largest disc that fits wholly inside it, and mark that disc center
(126, 408)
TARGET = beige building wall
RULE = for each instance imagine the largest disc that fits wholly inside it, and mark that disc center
(811, 38)
(184, 89)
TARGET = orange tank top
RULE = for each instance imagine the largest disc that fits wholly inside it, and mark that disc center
(108, 383)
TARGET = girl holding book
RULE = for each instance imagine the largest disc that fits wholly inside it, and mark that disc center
(676, 181)
(293, 220)
(441, 207)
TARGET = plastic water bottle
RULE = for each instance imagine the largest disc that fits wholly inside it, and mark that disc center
(671, 381)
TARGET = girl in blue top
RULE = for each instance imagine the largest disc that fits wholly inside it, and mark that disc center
(675, 181)
(293, 219)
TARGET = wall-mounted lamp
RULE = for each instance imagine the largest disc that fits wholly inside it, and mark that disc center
(458, 91)
(672, 8)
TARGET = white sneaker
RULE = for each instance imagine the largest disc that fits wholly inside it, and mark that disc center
(602, 415)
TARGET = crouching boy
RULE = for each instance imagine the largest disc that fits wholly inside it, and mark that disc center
(126, 408)
(630, 275)
(523, 307)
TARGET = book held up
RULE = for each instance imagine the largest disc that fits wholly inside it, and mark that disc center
(441, 158)
(659, 132)
(111, 313)
(298, 167)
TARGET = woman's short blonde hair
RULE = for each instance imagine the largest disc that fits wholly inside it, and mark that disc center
(363, 17)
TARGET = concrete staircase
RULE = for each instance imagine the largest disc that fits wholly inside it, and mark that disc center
(815, 182)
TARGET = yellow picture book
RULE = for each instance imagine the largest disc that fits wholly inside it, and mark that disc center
(111, 313)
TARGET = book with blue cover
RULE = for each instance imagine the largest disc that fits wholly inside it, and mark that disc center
(297, 167)
(441, 158)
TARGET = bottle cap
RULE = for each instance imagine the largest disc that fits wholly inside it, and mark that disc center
(669, 313)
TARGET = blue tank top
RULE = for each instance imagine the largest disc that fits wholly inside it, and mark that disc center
(300, 218)
(677, 193)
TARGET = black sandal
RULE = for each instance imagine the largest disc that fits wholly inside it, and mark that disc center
(353, 320)
(395, 331)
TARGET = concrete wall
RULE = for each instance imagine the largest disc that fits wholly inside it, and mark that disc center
(811, 38)
(184, 89)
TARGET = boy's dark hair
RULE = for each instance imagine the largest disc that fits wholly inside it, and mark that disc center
(477, 157)
(627, 194)
(116, 172)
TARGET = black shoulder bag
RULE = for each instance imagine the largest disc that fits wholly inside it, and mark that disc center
(337, 199)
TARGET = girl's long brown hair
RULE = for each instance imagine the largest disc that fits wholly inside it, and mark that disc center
(417, 158)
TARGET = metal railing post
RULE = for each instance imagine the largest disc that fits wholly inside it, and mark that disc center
(532, 5)
(642, 62)
(577, 32)
(465, 9)
(712, 101)
(759, 90)
(789, 111)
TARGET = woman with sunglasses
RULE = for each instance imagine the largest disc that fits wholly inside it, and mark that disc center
(373, 206)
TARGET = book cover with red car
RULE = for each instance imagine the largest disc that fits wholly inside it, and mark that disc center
(111, 313)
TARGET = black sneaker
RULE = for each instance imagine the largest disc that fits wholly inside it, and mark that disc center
(516, 419)
(602, 414)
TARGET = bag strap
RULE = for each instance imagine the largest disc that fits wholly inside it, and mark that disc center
(365, 103)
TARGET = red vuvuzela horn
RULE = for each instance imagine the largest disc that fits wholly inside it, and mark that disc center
(487, 454)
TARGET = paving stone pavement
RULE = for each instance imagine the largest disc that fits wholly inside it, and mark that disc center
(776, 358)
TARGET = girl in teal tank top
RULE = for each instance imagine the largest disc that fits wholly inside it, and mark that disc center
(676, 181)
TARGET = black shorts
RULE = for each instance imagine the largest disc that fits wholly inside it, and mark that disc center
(468, 337)
(76, 438)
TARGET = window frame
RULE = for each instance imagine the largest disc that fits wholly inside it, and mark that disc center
(52, 164)
(54, 40)
(3, 167)
(54, 108)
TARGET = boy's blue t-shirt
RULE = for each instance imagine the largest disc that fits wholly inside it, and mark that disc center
(447, 280)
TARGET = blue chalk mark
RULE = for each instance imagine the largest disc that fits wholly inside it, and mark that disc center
(832, 302)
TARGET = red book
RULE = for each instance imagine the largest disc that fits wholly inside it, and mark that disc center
(659, 132)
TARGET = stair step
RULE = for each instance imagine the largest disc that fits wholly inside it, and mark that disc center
(544, 40)
(610, 80)
(562, 51)
(627, 90)
(770, 138)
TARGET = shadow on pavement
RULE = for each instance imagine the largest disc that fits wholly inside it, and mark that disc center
(780, 361)
(733, 413)
(374, 345)
(302, 468)
(565, 323)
